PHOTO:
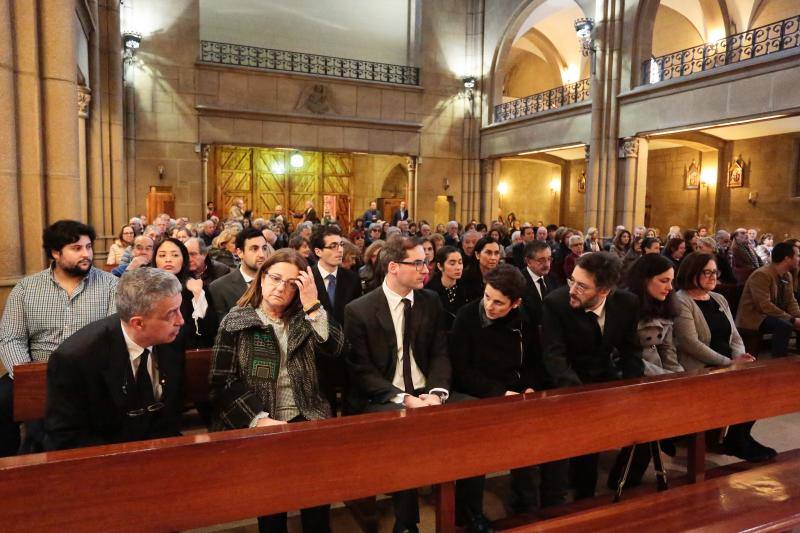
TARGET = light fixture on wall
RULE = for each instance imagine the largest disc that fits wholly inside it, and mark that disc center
(469, 86)
(555, 185)
(161, 170)
(131, 41)
(584, 28)
(296, 159)
(502, 188)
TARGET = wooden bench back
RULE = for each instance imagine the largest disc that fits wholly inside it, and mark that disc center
(30, 384)
(188, 482)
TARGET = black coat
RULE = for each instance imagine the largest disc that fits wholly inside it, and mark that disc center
(226, 291)
(531, 299)
(372, 358)
(490, 359)
(398, 215)
(451, 309)
(348, 288)
(91, 389)
(575, 352)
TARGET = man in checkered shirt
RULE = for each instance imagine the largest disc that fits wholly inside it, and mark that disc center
(47, 307)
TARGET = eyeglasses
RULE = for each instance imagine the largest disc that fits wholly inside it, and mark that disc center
(276, 280)
(419, 264)
(580, 288)
(711, 273)
(152, 408)
(334, 245)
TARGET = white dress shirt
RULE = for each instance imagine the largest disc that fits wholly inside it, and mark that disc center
(135, 355)
(324, 273)
(600, 311)
(536, 277)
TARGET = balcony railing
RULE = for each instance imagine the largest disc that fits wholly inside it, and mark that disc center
(551, 99)
(761, 41)
(282, 60)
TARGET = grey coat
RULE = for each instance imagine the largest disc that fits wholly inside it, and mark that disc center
(692, 336)
(245, 364)
(658, 350)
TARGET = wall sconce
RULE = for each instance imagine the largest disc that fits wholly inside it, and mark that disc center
(708, 179)
(555, 185)
(502, 188)
(584, 28)
(752, 198)
(445, 183)
(161, 170)
(469, 86)
(131, 41)
(296, 159)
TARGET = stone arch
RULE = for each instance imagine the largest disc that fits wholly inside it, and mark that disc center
(768, 11)
(714, 11)
(499, 66)
(395, 182)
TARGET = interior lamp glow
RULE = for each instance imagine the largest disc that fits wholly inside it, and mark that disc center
(555, 185)
(278, 167)
(708, 177)
(502, 188)
(296, 159)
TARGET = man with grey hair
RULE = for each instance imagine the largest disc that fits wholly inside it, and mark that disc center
(723, 257)
(451, 237)
(120, 379)
(136, 224)
(201, 266)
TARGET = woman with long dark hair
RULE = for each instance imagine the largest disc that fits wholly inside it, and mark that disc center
(446, 281)
(650, 279)
(200, 320)
(675, 250)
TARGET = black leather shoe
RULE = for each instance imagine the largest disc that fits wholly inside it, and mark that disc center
(403, 528)
(475, 523)
(761, 449)
(748, 452)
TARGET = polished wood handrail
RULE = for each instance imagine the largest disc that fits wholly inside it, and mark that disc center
(30, 384)
(187, 482)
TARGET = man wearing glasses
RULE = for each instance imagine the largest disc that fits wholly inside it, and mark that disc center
(120, 379)
(398, 358)
(589, 336)
(336, 288)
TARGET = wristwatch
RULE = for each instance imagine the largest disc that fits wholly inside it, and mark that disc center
(442, 396)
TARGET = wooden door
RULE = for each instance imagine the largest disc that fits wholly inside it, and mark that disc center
(160, 200)
(234, 177)
(337, 174)
(270, 181)
(390, 205)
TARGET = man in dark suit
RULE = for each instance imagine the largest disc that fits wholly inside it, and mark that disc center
(310, 214)
(371, 215)
(201, 266)
(589, 336)
(253, 250)
(540, 282)
(398, 357)
(120, 379)
(517, 258)
(336, 288)
(400, 214)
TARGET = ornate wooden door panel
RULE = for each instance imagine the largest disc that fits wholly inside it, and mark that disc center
(336, 180)
(304, 182)
(270, 181)
(234, 176)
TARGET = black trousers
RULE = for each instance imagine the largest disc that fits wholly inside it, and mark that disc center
(314, 519)
(9, 430)
(405, 503)
(583, 473)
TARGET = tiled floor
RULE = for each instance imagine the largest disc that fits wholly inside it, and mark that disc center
(781, 433)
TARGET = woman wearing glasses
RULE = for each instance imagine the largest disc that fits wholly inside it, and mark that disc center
(116, 250)
(706, 337)
(264, 365)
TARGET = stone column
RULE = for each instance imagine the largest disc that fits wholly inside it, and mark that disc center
(84, 97)
(10, 257)
(112, 48)
(29, 132)
(632, 182)
(487, 187)
(60, 124)
(206, 148)
(411, 187)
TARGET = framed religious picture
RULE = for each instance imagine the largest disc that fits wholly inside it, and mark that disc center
(692, 175)
(736, 172)
(582, 182)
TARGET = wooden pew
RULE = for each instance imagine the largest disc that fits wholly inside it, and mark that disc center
(188, 482)
(30, 385)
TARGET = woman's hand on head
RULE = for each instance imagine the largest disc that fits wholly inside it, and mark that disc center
(307, 288)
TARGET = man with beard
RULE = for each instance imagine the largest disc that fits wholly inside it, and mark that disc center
(589, 336)
(44, 309)
(252, 249)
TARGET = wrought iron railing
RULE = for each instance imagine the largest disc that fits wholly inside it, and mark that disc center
(282, 60)
(555, 98)
(761, 41)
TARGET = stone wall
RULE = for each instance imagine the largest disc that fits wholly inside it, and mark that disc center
(529, 195)
(575, 201)
(670, 202)
(772, 168)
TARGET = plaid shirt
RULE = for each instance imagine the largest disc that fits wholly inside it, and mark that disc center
(39, 314)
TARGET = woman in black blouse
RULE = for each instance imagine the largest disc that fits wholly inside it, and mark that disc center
(446, 281)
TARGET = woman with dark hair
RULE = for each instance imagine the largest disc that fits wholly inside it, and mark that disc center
(633, 254)
(302, 245)
(650, 279)
(371, 273)
(427, 246)
(487, 256)
(123, 242)
(675, 250)
(264, 365)
(358, 230)
(445, 281)
(621, 243)
(200, 320)
(706, 336)
(690, 238)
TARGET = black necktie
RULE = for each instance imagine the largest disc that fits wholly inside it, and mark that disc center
(143, 382)
(407, 381)
(542, 287)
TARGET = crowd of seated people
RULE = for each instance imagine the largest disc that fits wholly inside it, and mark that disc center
(308, 320)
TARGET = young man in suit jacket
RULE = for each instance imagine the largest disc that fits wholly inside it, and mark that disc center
(400, 213)
(589, 336)
(336, 288)
(252, 249)
(398, 357)
(120, 379)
